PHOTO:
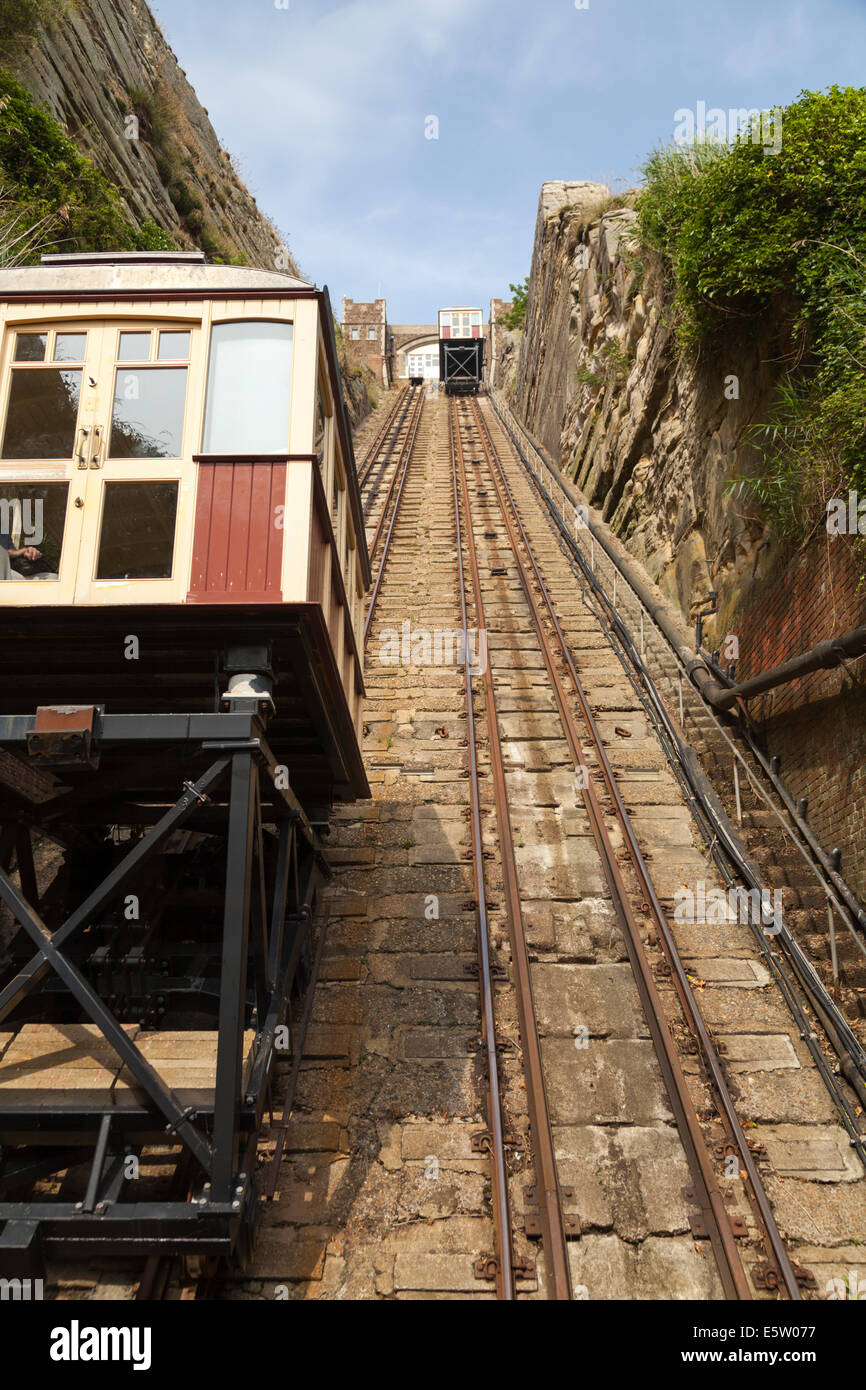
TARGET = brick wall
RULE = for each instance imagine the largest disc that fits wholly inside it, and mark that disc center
(365, 333)
(816, 725)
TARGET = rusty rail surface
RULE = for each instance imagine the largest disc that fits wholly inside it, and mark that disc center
(495, 1108)
(401, 471)
(550, 1210)
(706, 1190)
(379, 442)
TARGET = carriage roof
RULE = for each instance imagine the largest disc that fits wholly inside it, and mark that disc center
(111, 272)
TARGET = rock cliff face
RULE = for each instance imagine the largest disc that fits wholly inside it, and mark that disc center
(104, 70)
(107, 75)
(652, 438)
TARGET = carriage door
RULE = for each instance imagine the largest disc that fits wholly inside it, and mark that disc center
(48, 406)
(137, 528)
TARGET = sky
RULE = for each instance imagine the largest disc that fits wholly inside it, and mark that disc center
(328, 107)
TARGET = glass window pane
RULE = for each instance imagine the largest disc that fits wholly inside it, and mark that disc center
(134, 347)
(70, 347)
(30, 347)
(137, 537)
(147, 418)
(42, 415)
(248, 389)
(173, 347)
(32, 514)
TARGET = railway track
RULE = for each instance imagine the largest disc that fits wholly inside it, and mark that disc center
(599, 1101)
(534, 680)
(471, 434)
(386, 456)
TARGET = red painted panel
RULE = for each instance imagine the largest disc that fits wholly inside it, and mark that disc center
(237, 548)
(219, 522)
(274, 565)
(476, 331)
(239, 528)
(446, 332)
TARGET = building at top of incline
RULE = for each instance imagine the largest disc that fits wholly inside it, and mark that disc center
(398, 351)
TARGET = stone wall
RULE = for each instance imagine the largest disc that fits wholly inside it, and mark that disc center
(503, 347)
(653, 437)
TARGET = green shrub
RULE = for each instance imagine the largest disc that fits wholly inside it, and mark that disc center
(741, 232)
(52, 184)
(516, 316)
(46, 174)
(185, 201)
(150, 237)
(588, 378)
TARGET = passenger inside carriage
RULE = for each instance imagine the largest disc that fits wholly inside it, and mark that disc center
(9, 552)
(32, 525)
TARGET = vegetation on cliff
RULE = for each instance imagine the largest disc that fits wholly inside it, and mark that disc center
(21, 20)
(516, 316)
(742, 232)
(47, 182)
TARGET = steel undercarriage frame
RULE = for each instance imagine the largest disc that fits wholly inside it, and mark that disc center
(242, 797)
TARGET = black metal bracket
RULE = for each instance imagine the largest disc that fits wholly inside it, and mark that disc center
(273, 870)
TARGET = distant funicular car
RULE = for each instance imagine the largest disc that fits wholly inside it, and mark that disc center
(461, 351)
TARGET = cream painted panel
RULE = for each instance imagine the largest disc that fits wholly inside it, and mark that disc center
(296, 533)
(306, 357)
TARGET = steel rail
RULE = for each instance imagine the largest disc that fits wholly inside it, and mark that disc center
(408, 449)
(688, 661)
(793, 970)
(717, 833)
(376, 447)
(549, 1203)
(776, 1245)
(495, 1106)
(373, 484)
(402, 463)
(707, 1192)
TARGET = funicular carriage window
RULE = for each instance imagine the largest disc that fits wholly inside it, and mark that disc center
(137, 528)
(42, 415)
(41, 426)
(32, 514)
(248, 388)
(149, 402)
(138, 525)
